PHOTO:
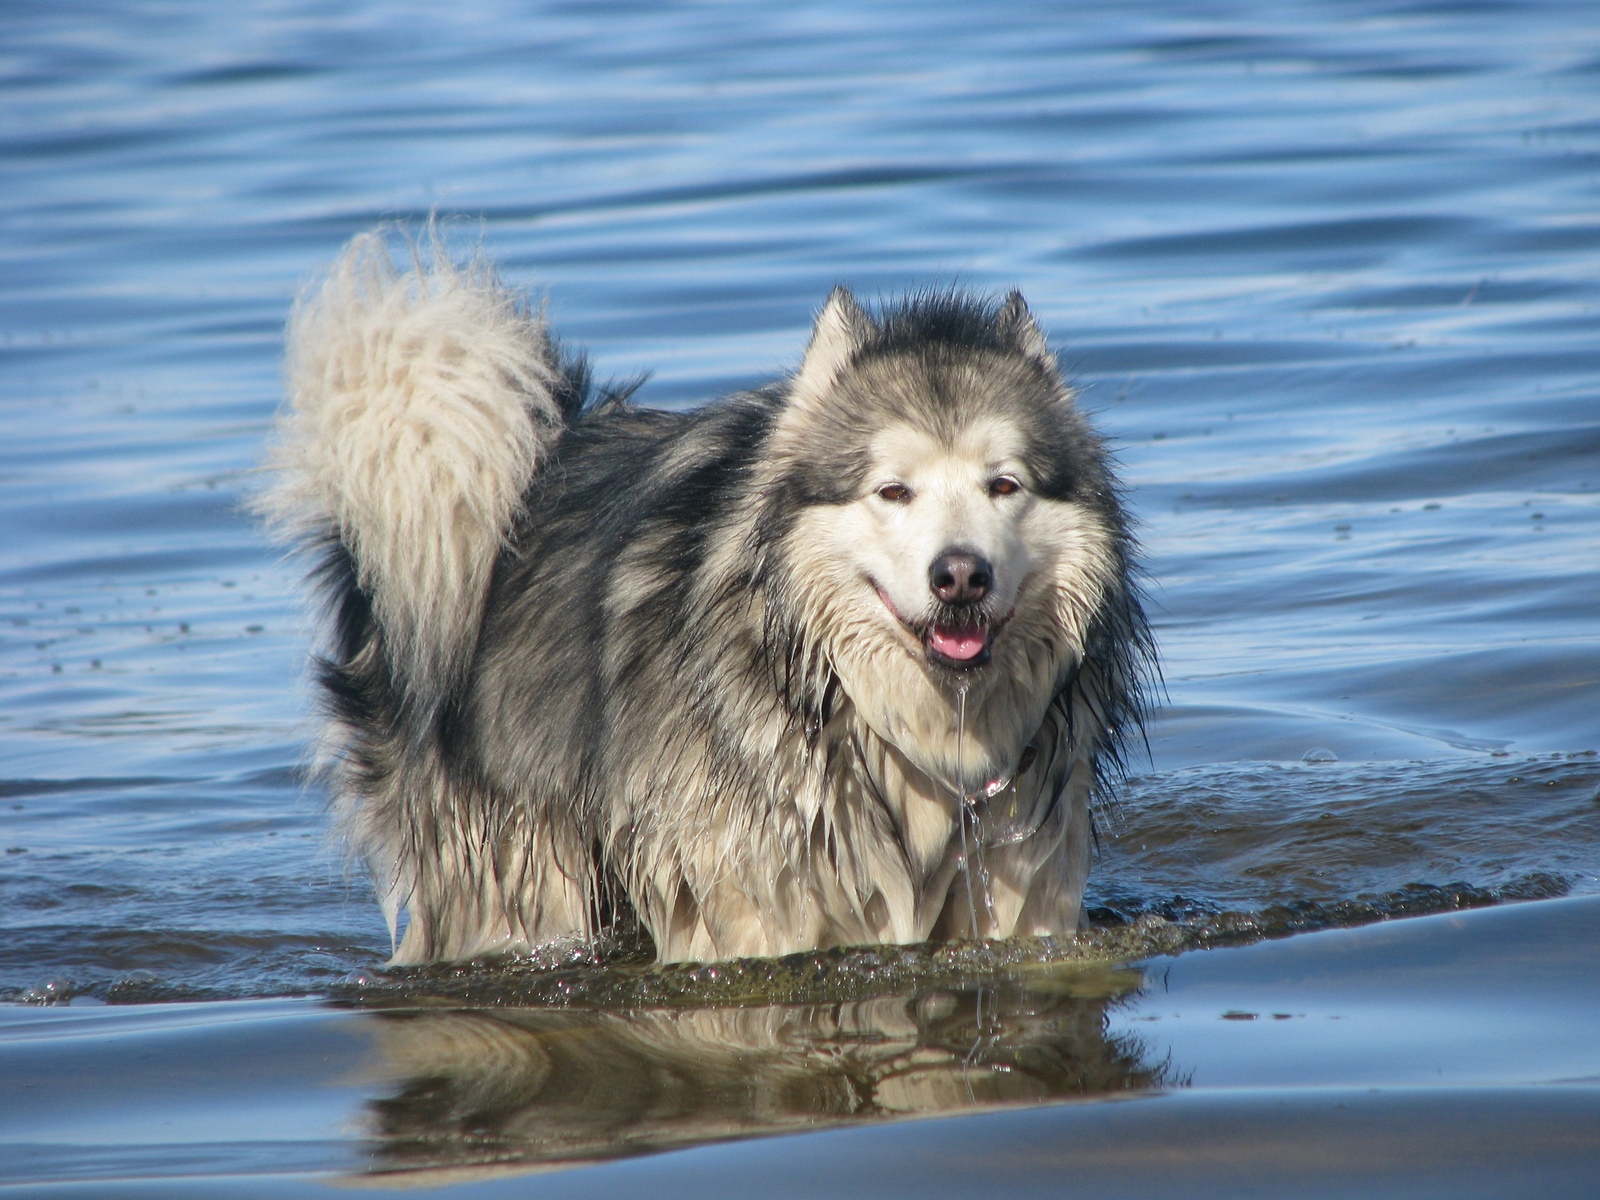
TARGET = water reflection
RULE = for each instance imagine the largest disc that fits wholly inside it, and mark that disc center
(480, 1087)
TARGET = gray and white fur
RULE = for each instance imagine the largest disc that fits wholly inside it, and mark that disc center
(838, 660)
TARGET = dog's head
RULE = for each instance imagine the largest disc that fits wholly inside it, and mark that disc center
(946, 522)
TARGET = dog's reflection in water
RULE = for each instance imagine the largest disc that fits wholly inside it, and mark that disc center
(482, 1087)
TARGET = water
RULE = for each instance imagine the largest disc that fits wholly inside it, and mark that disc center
(1327, 274)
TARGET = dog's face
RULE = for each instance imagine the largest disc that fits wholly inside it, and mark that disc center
(942, 533)
(946, 548)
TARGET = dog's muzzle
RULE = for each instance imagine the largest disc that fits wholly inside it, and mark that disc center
(957, 637)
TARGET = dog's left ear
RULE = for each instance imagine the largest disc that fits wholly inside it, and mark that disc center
(1016, 325)
(842, 328)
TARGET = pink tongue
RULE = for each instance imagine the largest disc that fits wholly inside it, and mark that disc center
(959, 644)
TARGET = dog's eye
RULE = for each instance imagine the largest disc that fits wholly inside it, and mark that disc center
(895, 493)
(1004, 485)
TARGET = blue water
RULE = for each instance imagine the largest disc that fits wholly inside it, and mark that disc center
(1327, 274)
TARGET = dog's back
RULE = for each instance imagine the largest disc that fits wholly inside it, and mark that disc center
(592, 658)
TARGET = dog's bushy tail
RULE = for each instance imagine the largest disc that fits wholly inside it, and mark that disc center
(422, 397)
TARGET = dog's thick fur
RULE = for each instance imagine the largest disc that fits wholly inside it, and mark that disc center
(588, 659)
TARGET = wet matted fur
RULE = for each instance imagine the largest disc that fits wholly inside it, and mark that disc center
(838, 660)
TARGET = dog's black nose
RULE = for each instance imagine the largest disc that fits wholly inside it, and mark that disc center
(960, 577)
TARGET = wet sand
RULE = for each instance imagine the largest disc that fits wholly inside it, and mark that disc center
(1454, 1055)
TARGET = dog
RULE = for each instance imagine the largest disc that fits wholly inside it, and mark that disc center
(839, 660)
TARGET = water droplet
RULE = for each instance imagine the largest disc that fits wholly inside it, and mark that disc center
(57, 990)
(1319, 754)
(133, 987)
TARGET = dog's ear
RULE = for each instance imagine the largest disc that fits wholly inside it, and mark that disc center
(1016, 325)
(842, 328)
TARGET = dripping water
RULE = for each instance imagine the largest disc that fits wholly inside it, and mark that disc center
(967, 813)
(973, 1052)
(961, 801)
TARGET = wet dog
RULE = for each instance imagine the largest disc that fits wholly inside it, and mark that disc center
(839, 660)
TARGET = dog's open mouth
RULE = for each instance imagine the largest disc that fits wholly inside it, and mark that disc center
(958, 645)
(960, 640)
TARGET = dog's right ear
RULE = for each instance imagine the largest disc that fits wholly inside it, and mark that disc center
(842, 328)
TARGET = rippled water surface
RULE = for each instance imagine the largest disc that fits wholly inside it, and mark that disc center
(1327, 275)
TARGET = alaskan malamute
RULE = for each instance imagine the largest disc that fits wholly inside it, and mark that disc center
(838, 660)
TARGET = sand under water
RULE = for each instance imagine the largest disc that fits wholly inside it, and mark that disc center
(1327, 276)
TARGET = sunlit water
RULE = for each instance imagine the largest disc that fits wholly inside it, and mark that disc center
(1328, 277)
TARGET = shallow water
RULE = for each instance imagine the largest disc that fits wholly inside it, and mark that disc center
(1319, 1065)
(1327, 275)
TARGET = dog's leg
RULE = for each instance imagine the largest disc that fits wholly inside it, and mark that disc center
(1036, 894)
(470, 882)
